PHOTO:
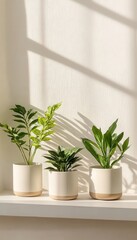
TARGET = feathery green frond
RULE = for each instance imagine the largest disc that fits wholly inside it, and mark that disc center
(31, 130)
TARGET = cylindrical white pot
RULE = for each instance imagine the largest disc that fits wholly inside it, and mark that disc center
(105, 184)
(63, 185)
(27, 179)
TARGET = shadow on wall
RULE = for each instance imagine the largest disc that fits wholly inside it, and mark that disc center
(18, 77)
(47, 53)
(68, 133)
(129, 165)
(108, 12)
(18, 72)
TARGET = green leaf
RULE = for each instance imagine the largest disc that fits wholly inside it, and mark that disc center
(32, 128)
(29, 111)
(54, 153)
(18, 116)
(97, 134)
(22, 134)
(42, 121)
(103, 161)
(33, 122)
(107, 144)
(125, 145)
(46, 139)
(21, 126)
(47, 133)
(29, 130)
(107, 141)
(90, 148)
(36, 131)
(113, 150)
(32, 114)
(112, 127)
(56, 106)
(18, 120)
(19, 109)
(63, 159)
(119, 137)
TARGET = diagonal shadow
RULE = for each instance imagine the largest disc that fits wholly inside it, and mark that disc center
(107, 12)
(68, 133)
(131, 164)
(17, 76)
(45, 52)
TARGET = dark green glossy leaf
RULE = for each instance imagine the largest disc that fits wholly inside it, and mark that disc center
(33, 122)
(21, 126)
(32, 114)
(63, 159)
(19, 120)
(18, 116)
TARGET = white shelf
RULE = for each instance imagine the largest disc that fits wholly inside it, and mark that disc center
(82, 208)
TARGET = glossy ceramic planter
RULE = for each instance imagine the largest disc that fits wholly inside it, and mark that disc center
(27, 180)
(63, 185)
(105, 184)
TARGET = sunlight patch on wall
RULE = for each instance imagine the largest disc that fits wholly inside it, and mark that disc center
(36, 80)
(35, 26)
(123, 7)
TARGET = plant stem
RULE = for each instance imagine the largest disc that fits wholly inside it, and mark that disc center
(32, 156)
(117, 160)
(22, 153)
(29, 141)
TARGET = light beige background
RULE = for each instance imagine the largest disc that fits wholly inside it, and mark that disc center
(82, 53)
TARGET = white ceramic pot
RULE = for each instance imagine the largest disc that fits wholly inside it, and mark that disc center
(27, 179)
(63, 185)
(105, 184)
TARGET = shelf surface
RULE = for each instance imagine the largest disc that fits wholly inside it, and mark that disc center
(83, 207)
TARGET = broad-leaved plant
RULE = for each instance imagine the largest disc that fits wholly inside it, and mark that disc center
(107, 148)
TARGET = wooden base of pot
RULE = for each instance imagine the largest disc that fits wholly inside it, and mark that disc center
(28, 194)
(63, 197)
(101, 196)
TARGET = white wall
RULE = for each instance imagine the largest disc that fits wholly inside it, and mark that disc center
(4, 89)
(82, 53)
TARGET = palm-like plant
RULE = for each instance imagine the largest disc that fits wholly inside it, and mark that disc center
(31, 130)
(63, 160)
(106, 145)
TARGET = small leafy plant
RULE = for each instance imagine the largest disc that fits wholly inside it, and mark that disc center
(31, 130)
(106, 145)
(63, 160)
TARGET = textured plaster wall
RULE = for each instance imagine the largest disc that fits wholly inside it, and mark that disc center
(82, 53)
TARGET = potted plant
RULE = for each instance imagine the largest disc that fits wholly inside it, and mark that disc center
(28, 135)
(63, 176)
(106, 179)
